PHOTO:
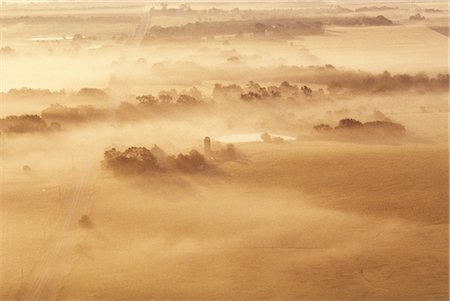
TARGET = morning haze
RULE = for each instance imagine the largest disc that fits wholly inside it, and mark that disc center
(224, 151)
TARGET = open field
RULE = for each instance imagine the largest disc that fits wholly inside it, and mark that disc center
(306, 220)
(385, 46)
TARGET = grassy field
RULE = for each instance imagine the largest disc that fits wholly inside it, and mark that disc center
(381, 48)
(295, 221)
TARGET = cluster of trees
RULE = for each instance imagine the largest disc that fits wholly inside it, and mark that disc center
(359, 82)
(26, 124)
(247, 14)
(337, 81)
(82, 113)
(166, 102)
(187, 97)
(363, 21)
(243, 14)
(274, 27)
(28, 93)
(430, 10)
(366, 83)
(228, 153)
(358, 129)
(92, 93)
(248, 93)
(140, 160)
(6, 50)
(265, 137)
(417, 17)
(365, 9)
(134, 160)
(82, 94)
(279, 27)
(255, 92)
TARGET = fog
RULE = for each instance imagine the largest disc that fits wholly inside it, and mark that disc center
(226, 151)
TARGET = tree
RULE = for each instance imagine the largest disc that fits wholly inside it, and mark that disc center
(23, 124)
(322, 128)
(260, 28)
(134, 160)
(307, 91)
(191, 162)
(85, 222)
(265, 137)
(77, 37)
(349, 123)
(148, 100)
(187, 100)
(417, 17)
(185, 6)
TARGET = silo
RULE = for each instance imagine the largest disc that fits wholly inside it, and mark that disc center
(207, 147)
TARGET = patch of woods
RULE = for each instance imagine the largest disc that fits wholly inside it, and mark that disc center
(187, 101)
(349, 129)
(280, 12)
(141, 160)
(273, 27)
(7, 51)
(333, 84)
(163, 104)
(269, 27)
(252, 14)
(352, 82)
(362, 21)
(237, 13)
(365, 9)
(92, 93)
(81, 113)
(337, 81)
(171, 97)
(24, 93)
(363, 83)
(26, 124)
(255, 92)
(52, 117)
(27, 93)
(417, 17)
(252, 91)
(267, 138)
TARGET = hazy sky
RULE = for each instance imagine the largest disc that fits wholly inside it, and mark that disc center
(237, 1)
